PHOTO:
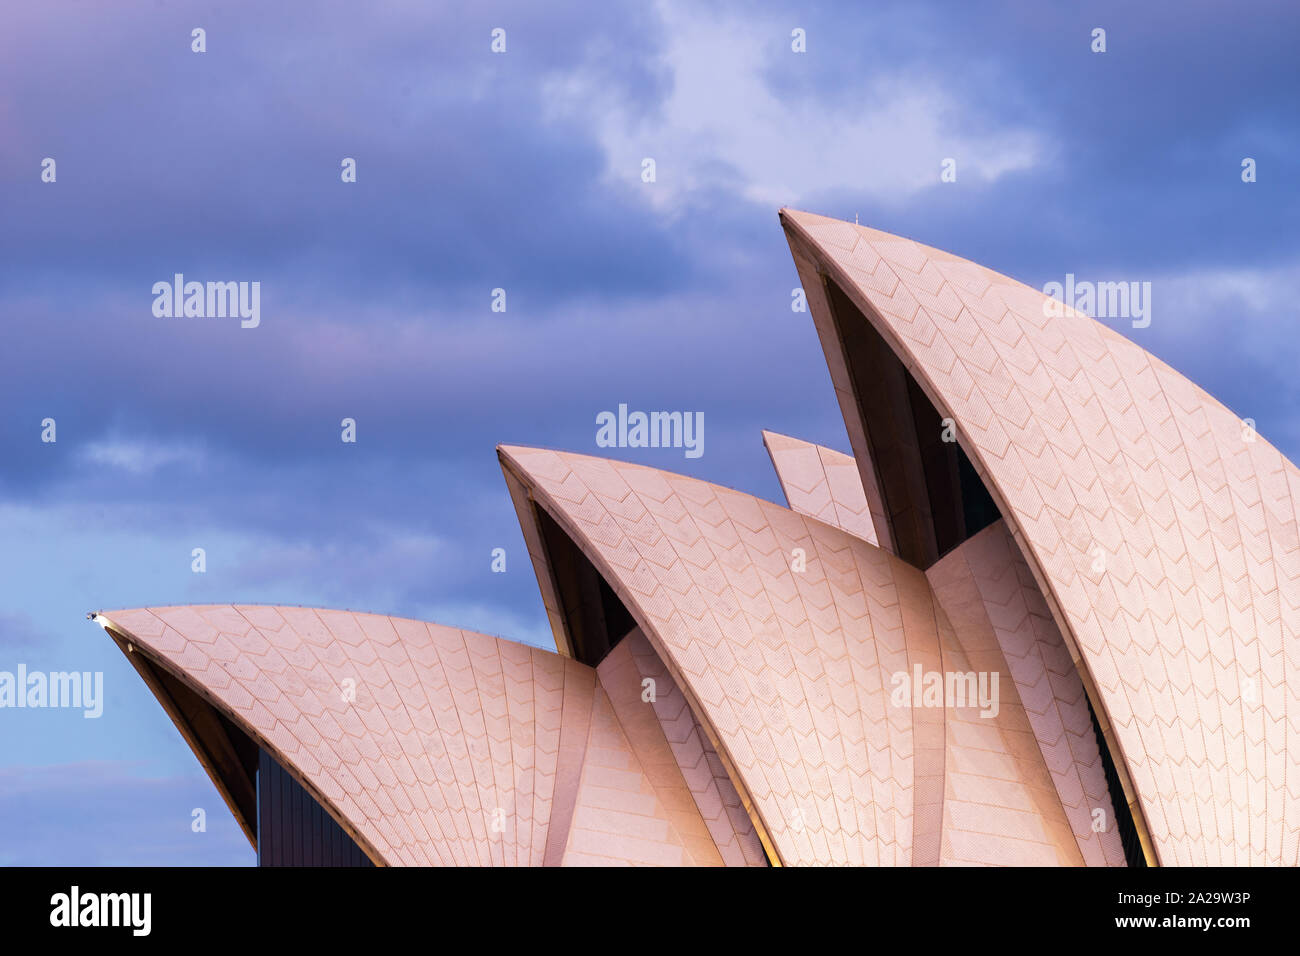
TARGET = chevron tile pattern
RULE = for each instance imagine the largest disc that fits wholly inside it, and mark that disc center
(1146, 564)
(436, 746)
(792, 671)
(999, 805)
(982, 582)
(1160, 528)
(692, 752)
(789, 670)
(822, 483)
(1001, 623)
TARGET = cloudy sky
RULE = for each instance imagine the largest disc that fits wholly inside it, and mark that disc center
(522, 171)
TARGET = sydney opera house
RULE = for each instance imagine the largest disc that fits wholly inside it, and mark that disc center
(1046, 614)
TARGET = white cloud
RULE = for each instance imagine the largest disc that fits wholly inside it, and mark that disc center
(723, 125)
(1260, 290)
(140, 457)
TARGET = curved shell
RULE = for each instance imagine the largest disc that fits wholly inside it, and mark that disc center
(789, 635)
(1161, 530)
(431, 745)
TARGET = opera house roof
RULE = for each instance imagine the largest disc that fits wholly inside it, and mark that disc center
(1045, 614)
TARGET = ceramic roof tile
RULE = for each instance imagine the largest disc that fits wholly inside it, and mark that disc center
(1146, 429)
(409, 786)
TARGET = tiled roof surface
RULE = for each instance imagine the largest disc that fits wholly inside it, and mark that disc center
(988, 594)
(1161, 528)
(793, 670)
(432, 745)
(1148, 560)
(821, 483)
(1001, 623)
(691, 754)
(790, 671)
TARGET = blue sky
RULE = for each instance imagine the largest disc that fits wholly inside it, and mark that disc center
(522, 171)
